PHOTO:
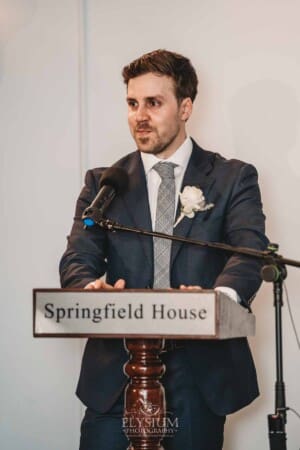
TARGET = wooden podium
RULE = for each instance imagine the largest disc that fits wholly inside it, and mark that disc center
(144, 318)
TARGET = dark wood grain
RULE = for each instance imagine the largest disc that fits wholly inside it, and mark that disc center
(145, 405)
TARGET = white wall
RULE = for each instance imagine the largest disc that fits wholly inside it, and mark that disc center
(40, 178)
(63, 110)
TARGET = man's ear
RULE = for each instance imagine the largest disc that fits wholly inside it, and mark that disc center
(186, 108)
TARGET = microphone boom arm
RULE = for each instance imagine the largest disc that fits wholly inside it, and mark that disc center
(266, 255)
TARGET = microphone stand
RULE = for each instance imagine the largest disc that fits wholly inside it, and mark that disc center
(273, 270)
(277, 421)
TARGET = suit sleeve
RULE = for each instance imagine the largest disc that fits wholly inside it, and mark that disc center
(244, 226)
(84, 259)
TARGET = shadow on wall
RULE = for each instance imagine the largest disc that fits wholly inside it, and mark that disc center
(265, 126)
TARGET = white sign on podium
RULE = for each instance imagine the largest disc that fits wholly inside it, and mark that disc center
(129, 313)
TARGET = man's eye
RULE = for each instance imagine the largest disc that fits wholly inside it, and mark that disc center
(132, 104)
(154, 103)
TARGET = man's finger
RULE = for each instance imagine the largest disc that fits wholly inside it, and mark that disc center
(101, 284)
(119, 284)
(184, 287)
(98, 284)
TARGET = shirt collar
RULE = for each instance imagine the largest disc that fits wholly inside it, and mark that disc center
(180, 157)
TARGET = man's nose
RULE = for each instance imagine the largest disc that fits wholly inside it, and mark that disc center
(141, 113)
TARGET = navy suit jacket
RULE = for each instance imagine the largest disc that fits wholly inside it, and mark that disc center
(224, 370)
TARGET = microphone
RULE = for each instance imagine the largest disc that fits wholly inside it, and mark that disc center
(114, 181)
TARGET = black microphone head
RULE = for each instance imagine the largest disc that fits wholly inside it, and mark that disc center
(115, 177)
(114, 181)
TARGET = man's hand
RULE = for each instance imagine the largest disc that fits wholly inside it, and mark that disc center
(184, 287)
(120, 284)
(101, 284)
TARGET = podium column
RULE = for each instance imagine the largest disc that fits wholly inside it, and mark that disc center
(144, 402)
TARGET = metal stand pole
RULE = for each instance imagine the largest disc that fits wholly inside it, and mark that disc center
(277, 421)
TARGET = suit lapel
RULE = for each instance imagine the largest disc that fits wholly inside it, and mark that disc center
(197, 174)
(137, 203)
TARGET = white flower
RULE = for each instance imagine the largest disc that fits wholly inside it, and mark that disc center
(192, 200)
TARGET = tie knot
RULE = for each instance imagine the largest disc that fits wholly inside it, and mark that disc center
(165, 169)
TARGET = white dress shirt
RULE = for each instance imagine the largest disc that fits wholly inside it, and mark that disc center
(180, 158)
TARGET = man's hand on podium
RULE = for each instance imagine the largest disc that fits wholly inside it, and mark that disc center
(120, 284)
(184, 287)
(101, 284)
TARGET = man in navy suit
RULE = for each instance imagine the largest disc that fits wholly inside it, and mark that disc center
(205, 380)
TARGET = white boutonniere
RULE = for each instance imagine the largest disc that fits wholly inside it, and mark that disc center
(192, 200)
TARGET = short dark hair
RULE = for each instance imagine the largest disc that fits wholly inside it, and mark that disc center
(163, 62)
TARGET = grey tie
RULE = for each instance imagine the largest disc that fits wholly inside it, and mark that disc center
(164, 222)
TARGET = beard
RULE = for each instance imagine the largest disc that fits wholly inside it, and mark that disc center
(155, 144)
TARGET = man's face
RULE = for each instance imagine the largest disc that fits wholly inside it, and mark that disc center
(156, 119)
